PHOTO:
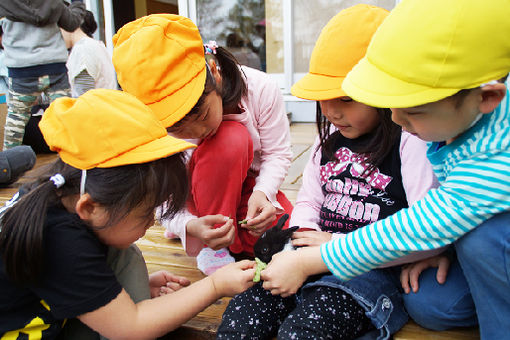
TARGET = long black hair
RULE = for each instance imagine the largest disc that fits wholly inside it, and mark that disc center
(376, 149)
(233, 85)
(118, 190)
(89, 24)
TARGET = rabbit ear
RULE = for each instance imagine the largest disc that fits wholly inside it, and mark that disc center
(294, 228)
(281, 221)
(289, 231)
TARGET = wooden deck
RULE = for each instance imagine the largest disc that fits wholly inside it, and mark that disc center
(161, 253)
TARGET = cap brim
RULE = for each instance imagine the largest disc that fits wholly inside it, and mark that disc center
(318, 87)
(369, 85)
(156, 149)
(187, 96)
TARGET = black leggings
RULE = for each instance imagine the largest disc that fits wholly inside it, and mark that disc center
(323, 313)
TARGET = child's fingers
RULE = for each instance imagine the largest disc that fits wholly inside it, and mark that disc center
(165, 290)
(215, 219)
(221, 237)
(404, 279)
(442, 270)
(174, 286)
(302, 234)
(305, 242)
(181, 280)
(222, 230)
(414, 274)
(246, 264)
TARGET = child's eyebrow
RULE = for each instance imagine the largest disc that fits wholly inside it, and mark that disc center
(415, 108)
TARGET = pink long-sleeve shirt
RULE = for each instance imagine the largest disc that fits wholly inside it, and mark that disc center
(417, 179)
(264, 116)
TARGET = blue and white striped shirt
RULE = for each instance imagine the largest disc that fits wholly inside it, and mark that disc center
(474, 172)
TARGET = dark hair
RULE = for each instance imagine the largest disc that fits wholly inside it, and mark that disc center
(89, 24)
(118, 190)
(460, 96)
(377, 148)
(233, 85)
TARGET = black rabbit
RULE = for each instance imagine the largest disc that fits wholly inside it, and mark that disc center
(274, 240)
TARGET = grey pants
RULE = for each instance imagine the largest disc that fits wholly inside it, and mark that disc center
(131, 272)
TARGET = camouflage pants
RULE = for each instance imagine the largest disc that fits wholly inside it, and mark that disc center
(23, 94)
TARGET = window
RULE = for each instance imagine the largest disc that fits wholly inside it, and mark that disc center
(276, 36)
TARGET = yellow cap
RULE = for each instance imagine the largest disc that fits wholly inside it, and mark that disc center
(428, 50)
(106, 128)
(341, 44)
(160, 59)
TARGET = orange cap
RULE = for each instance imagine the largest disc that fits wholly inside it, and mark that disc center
(341, 44)
(160, 60)
(106, 128)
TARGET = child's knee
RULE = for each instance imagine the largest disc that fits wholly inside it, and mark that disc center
(441, 307)
(441, 316)
(232, 139)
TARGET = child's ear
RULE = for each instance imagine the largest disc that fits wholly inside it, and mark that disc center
(214, 70)
(87, 209)
(492, 95)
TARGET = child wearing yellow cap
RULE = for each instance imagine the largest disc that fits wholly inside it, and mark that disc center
(363, 169)
(112, 173)
(238, 117)
(440, 66)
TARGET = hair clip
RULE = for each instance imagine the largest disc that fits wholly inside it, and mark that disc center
(58, 180)
(210, 47)
(83, 180)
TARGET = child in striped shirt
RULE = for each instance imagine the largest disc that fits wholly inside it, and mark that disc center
(444, 84)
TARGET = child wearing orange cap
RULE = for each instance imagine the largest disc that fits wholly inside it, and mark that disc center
(363, 168)
(445, 84)
(237, 115)
(100, 193)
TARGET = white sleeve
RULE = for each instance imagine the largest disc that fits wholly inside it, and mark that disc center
(177, 226)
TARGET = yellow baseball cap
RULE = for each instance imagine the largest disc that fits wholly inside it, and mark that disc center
(341, 44)
(106, 128)
(160, 60)
(428, 50)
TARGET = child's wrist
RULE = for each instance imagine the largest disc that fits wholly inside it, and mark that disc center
(311, 261)
(190, 227)
(215, 291)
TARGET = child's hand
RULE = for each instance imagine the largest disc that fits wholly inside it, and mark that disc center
(234, 278)
(310, 238)
(411, 272)
(163, 282)
(261, 213)
(204, 229)
(284, 274)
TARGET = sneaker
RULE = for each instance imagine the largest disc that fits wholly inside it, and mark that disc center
(208, 260)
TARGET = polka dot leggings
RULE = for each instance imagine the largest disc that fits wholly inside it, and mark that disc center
(255, 315)
(323, 313)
